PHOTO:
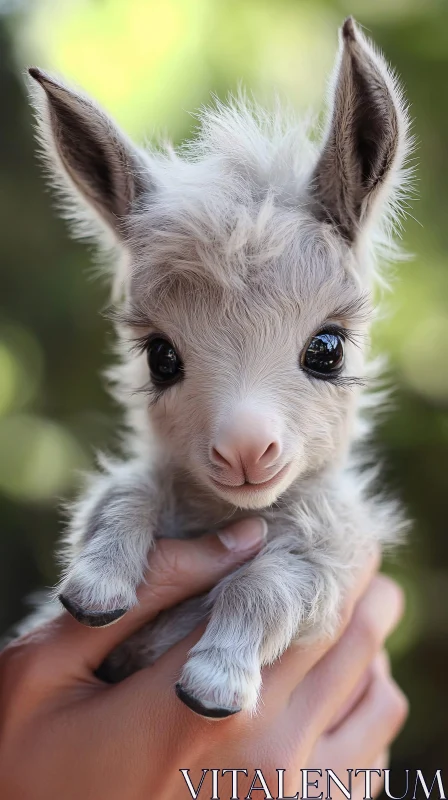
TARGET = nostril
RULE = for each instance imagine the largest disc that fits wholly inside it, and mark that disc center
(219, 459)
(271, 453)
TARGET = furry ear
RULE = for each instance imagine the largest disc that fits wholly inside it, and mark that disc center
(90, 157)
(367, 139)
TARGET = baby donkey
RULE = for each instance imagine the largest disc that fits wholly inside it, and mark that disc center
(246, 261)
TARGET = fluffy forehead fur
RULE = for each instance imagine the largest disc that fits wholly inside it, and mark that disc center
(233, 210)
(231, 253)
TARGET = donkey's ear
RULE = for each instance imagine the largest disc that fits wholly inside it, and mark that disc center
(367, 137)
(89, 156)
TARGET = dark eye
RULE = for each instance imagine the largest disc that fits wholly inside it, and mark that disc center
(324, 355)
(164, 363)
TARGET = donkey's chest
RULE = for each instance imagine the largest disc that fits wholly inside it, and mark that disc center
(181, 517)
(182, 522)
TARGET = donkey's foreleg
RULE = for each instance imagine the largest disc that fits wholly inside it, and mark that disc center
(110, 534)
(257, 613)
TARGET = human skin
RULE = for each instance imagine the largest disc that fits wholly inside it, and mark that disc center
(64, 734)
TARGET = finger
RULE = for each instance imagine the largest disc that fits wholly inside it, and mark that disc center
(178, 569)
(284, 676)
(374, 722)
(359, 691)
(335, 677)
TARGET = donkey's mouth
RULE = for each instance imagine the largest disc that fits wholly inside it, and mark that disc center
(252, 488)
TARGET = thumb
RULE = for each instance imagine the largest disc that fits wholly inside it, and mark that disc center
(178, 569)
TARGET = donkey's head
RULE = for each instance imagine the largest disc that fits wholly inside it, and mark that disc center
(247, 270)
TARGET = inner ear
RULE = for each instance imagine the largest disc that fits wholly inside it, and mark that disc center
(366, 140)
(375, 128)
(85, 158)
(89, 156)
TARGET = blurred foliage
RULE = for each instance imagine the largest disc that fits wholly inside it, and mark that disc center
(150, 63)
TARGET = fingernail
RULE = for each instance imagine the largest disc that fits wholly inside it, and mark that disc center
(247, 534)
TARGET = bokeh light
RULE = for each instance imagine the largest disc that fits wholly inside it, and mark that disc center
(42, 460)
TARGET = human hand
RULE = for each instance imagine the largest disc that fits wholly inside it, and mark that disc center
(64, 734)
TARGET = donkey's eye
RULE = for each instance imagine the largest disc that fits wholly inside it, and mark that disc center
(164, 363)
(324, 355)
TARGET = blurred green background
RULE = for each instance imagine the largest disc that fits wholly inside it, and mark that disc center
(150, 63)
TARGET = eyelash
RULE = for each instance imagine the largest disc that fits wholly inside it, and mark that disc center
(150, 390)
(338, 330)
(140, 343)
(341, 381)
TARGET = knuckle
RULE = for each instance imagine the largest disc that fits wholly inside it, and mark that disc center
(345, 615)
(367, 631)
(393, 704)
(394, 592)
(398, 705)
(166, 567)
(377, 614)
(391, 586)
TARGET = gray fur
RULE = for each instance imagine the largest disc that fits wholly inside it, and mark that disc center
(238, 248)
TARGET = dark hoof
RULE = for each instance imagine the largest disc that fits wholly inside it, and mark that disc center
(199, 708)
(93, 619)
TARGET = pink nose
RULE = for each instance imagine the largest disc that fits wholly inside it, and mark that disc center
(247, 448)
